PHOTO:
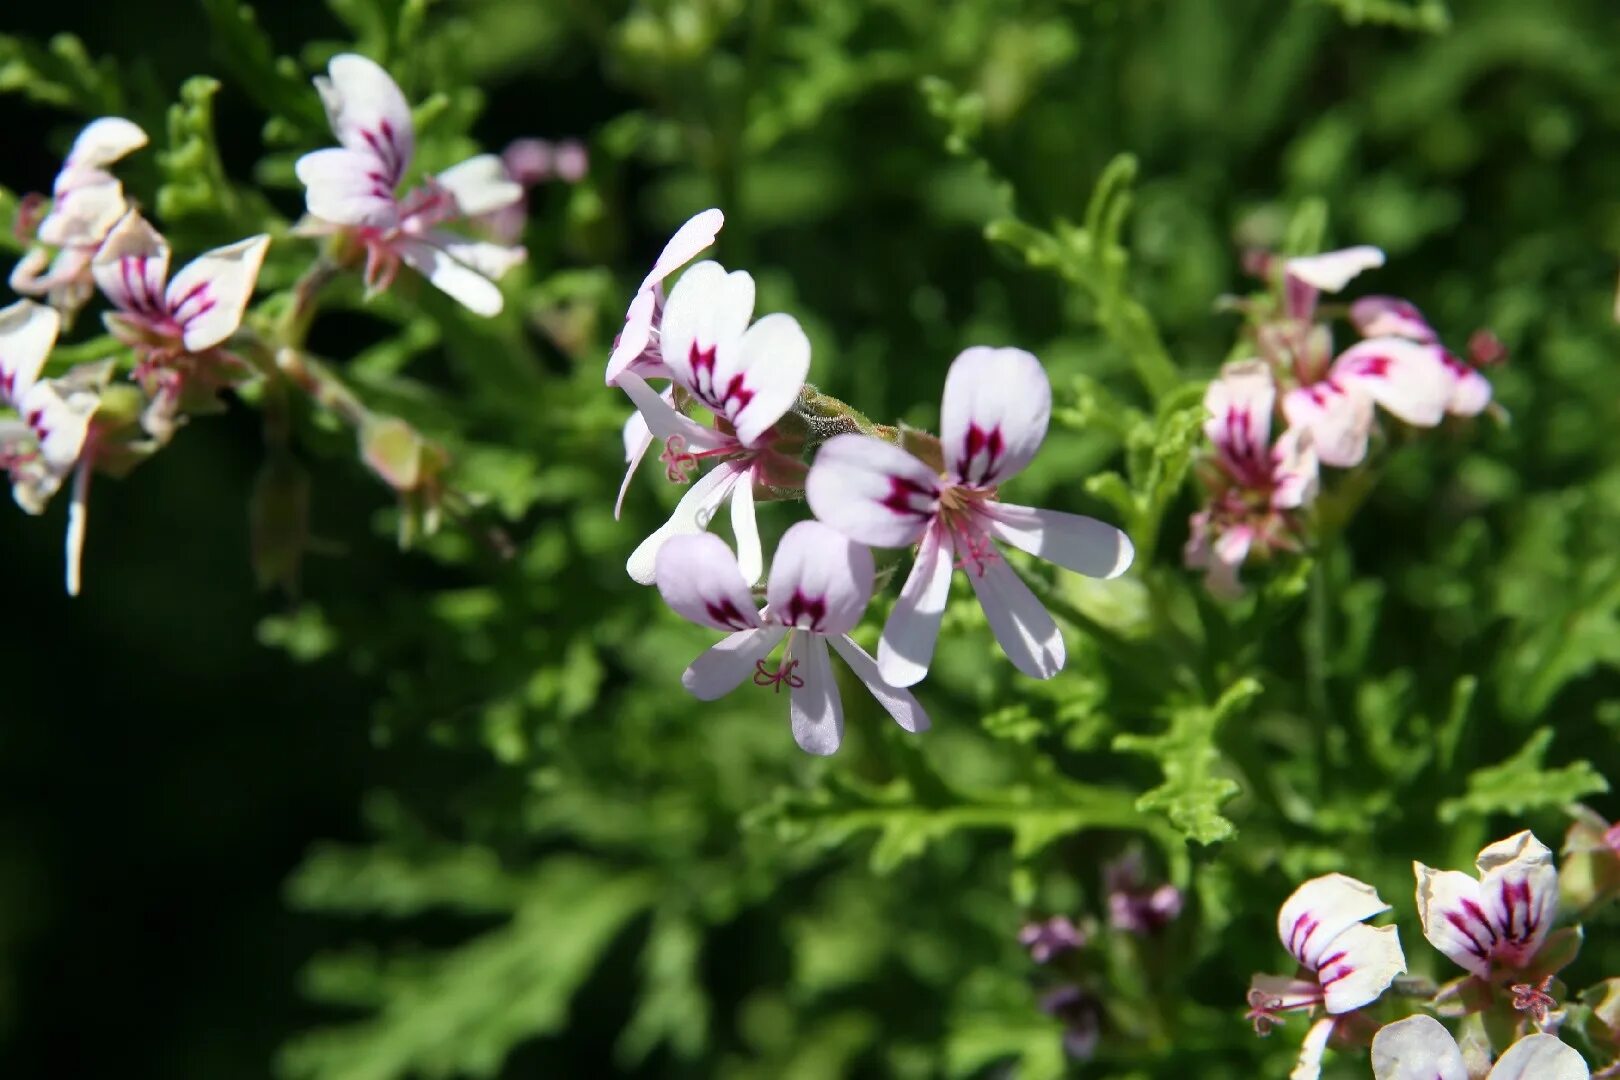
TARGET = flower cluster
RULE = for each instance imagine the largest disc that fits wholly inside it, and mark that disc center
(1325, 404)
(1497, 925)
(867, 486)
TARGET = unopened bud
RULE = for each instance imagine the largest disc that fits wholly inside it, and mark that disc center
(1485, 349)
(394, 451)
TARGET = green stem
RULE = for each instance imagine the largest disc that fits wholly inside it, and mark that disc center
(1318, 648)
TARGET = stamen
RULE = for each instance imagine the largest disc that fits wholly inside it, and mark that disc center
(1263, 1012)
(679, 463)
(978, 553)
(774, 678)
(1535, 999)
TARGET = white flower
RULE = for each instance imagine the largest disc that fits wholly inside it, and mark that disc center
(820, 584)
(1390, 316)
(1499, 919)
(86, 202)
(748, 376)
(996, 406)
(1420, 1048)
(1307, 276)
(1407, 378)
(354, 188)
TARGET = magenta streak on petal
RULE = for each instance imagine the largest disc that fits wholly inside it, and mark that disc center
(802, 607)
(702, 361)
(978, 441)
(1376, 367)
(901, 494)
(726, 612)
(385, 149)
(1300, 935)
(1466, 922)
(8, 382)
(1329, 975)
(198, 292)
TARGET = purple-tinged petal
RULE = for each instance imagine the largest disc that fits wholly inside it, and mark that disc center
(817, 712)
(745, 527)
(731, 662)
(1308, 1066)
(820, 580)
(872, 491)
(692, 515)
(1540, 1057)
(1470, 389)
(706, 307)
(1358, 966)
(1454, 918)
(1240, 404)
(634, 338)
(132, 266)
(1390, 316)
(1404, 377)
(1082, 544)
(907, 644)
(1023, 627)
(480, 185)
(346, 187)
(1333, 270)
(1417, 1048)
(369, 113)
(1519, 887)
(898, 703)
(757, 378)
(27, 335)
(1339, 420)
(1322, 909)
(210, 293)
(994, 415)
(699, 577)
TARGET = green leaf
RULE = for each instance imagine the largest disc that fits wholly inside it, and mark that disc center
(1522, 784)
(61, 74)
(276, 84)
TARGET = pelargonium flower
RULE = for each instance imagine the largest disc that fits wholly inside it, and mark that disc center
(1081, 1015)
(638, 346)
(86, 202)
(748, 377)
(1497, 921)
(1051, 937)
(1255, 485)
(1407, 378)
(53, 437)
(1420, 1048)
(1344, 964)
(993, 418)
(1469, 392)
(820, 584)
(1135, 905)
(1305, 277)
(354, 189)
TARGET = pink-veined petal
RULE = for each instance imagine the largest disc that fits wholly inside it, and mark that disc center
(820, 579)
(210, 293)
(480, 185)
(1240, 403)
(1082, 544)
(1023, 627)
(1359, 965)
(454, 278)
(1308, 1066)
(1322, 909)
(872, 491)
(692, 515)
(1519, 887)
(60, 416)
(1338, 418)
(1390, 316)
(346, 187)
(1417, 1048)
(731, 662)
(757, 378)
(369, 113)
(662, 418)
(1454, 918)
(707, 306)
(1333, 270)
(1294, 470)
(994, 414)
(638, 440)
(27, 335)
(907, 645)
(817, 713)
(1404, 377)
(699, 577)
(634, 338)
(1540, 1057)
(132, 267)
(745, 527)
(1470, 389)
(898, 703)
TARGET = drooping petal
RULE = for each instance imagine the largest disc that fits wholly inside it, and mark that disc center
(757, 378)
(1333, 270)
(1295, 473)
(692, 515)
(1308, 1066)
(490, 259)
(210, 293)
(1454, 919)
(820, 579)
(1404, 377)
(638, 440)
(699, 577)
(994, 414)
(663, 420)
(1339, 419)
(346, 187)
(898, 703)
(1519, 887)
(480, 185)
(1322, 909)
(907, 645)
(78, 521)
(745, 527)
(1023, 628)
(1417, 1048)
(1082, 544)
(1359, 965)
(872, 491)
(1240, 403)
(1470, 389)
(707, 306)
(369, 113)
(1390, 316)
(132, 266)
(1540, 1057)
(731, 662)
(105, 141)
(27, 335)
(817, 712)
(454, 278)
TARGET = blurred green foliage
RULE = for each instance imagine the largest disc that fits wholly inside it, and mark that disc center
(585, 868)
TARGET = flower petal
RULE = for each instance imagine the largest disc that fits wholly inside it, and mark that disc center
(87, 204)
(820, 580)
(1322, 909)
(1540, 1057)
(489, 259)
(1082, 544)
(60, 417)
(757, 378)
(698, 576)
(1404, 377)
(638, 440)
(817, 712)
(1295, 473)
(132, 266)
(1454, 919)
(695, 236)
(1308, 1066)
(347, 187)
(1333, 270)
(692, 515)
(907, 644)
(898, 703)
(994, 414)
(730, 663)
(1390, 316)
(1339, 419)
(707, 306)
(78, 522)
(105, 141)
(27, 335)
(1519, 887)
(210, 293)
(745, 527)
(369, 113)
(634, 337)
(480, 185)
(662, 419)
(1240, 403)
(1359, 965)
(449, 275)
(872, 491)
(1417, 1048)
(1020, 622)
(1470, 390)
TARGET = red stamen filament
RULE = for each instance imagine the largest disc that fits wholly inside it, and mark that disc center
(774, 678)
